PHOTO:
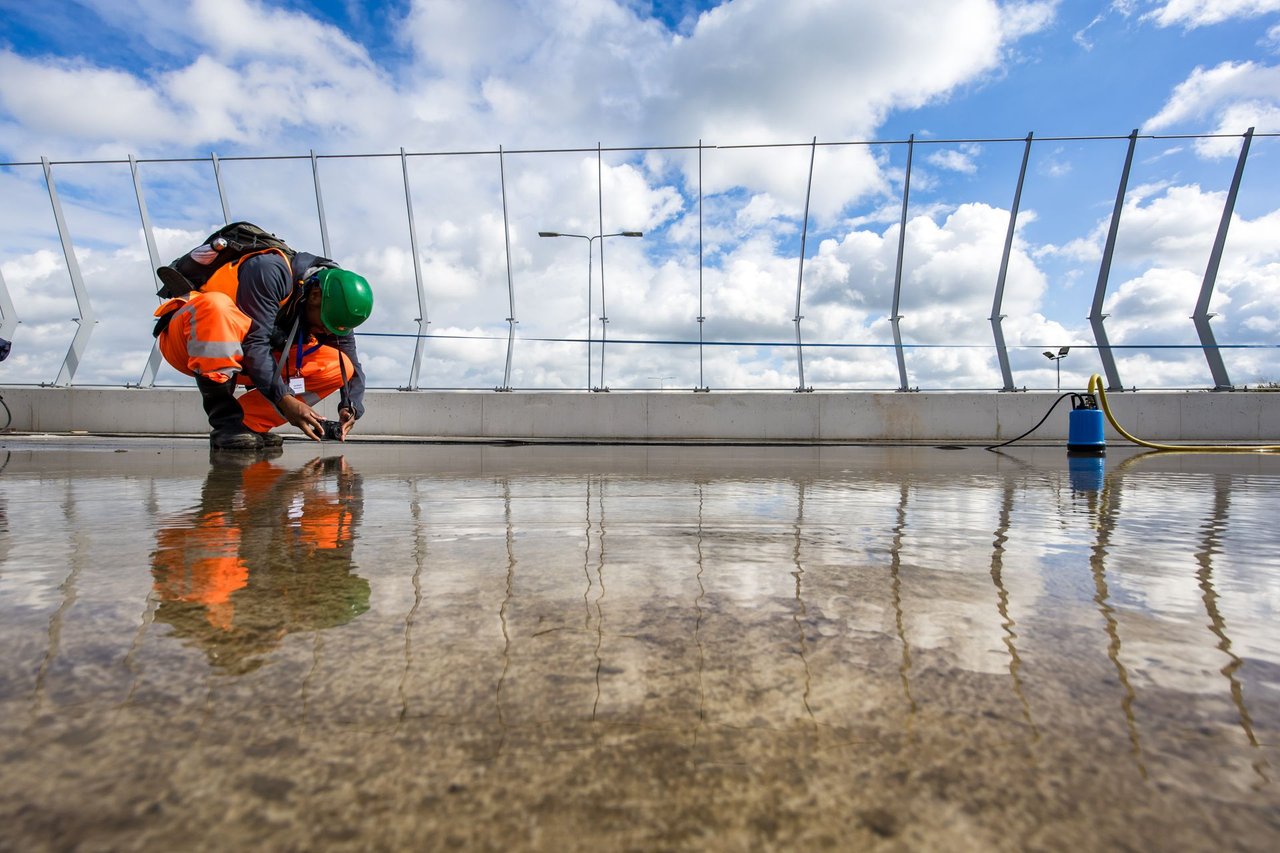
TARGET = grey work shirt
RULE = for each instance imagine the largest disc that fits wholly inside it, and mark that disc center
(269, 292)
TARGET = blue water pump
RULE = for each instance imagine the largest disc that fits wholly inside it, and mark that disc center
(1084, 427)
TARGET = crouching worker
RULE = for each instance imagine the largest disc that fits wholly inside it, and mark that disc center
(282, 326)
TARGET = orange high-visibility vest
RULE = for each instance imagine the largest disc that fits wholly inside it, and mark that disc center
(204, 336)
(226, 279)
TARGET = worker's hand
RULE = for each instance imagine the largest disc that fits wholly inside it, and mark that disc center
(347, 419)
(302, 416)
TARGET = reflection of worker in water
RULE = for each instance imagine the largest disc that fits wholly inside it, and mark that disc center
(267, 552)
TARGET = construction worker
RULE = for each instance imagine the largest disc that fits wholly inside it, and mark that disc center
(235, 329)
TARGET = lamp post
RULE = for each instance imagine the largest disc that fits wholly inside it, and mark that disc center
(1057, 358)
(604, 318)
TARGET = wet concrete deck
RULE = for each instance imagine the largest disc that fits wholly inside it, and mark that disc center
(418, 647)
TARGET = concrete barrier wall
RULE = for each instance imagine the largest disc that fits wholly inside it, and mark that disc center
(824, 416)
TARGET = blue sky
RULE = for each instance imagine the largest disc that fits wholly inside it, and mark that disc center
(104, 79)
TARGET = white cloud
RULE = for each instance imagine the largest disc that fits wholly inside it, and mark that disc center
(60, 100)
(1190, 14)
(739, 76)
(1053, 164)
(1031, 16)
(1082, 35)
(949, 275)
(956, 160)
(523, 74)
(469, 39)
(1169, 237)
(255, 30)
(1236, 95)
(247, 92)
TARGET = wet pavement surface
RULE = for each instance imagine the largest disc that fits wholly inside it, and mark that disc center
(662, 648)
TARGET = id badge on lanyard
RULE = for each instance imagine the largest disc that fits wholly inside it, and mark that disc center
(297, 384)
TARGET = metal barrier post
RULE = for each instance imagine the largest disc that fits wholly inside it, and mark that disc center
(423, 323)
(1096, 317)
(222, 198)
(86, 320)
(702, 386)
(604, 315)
(894, 317)
(804, 234)
(148, 378)
(1201, 316)
(511, 290)
(324, 228)
(1002, 352)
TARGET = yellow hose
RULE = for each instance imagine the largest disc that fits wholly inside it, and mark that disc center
(1095, 387)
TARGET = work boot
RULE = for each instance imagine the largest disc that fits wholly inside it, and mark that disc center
(226, 417)
(271, 439)
(228, 440)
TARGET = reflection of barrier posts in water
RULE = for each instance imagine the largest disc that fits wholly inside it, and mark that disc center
(800, 616)
(895, 575)
(1002, 604)
(1108, 509)
(502, 613)
(268, 552)
(1218, 625)
(419, 563)
(1213, 526)
(697, 625)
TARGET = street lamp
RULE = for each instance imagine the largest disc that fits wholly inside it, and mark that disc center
(1056, 359)
(662, 381)
(604, 318)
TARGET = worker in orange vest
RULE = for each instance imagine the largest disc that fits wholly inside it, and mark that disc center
(280, 324)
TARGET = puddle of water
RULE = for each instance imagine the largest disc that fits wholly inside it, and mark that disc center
(637, 648)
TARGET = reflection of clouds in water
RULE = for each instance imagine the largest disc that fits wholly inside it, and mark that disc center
(1175, 536)
(518, 615)
(60, 513)
(773, 580)
(1248, 598)
(952, 595)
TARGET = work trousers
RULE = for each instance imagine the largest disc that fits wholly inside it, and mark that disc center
(204, 338)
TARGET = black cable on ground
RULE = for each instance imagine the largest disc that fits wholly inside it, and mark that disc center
(1037, 426)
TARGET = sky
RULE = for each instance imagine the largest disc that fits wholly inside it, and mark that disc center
(761, 147)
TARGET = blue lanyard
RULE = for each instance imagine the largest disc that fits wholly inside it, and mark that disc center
(300, 351)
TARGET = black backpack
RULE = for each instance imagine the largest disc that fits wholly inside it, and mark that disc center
(230, 242)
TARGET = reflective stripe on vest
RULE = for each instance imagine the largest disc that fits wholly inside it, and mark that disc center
(198, 348)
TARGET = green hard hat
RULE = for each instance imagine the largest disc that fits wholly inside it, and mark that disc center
(346, 300)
